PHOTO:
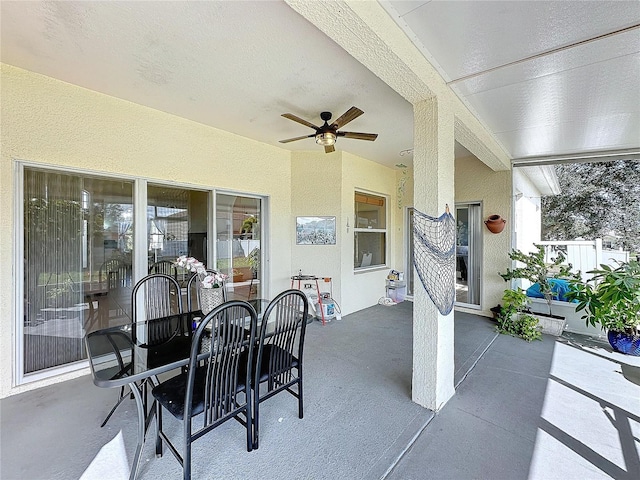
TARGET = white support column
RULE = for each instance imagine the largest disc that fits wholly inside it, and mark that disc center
(433, 160)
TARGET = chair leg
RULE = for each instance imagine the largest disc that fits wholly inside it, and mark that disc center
(300, 403)
(256, 407)
(186, 461)
(158, 430)
(250, 426)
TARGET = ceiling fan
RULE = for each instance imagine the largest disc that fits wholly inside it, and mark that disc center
(327, 135)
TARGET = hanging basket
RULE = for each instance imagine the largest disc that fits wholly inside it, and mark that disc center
(210, 298)
(495, 223)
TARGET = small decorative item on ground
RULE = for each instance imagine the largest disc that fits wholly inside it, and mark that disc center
(211, 284)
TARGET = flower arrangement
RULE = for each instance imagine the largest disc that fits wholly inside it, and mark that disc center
(207, 279)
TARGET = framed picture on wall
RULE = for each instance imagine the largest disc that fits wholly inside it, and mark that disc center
(315, 230)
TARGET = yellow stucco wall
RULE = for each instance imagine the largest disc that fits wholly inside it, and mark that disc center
(474, 181)
(363, 289)
(55, 123)
(316, 191)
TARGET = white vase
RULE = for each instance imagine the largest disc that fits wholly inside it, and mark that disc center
(210, 298)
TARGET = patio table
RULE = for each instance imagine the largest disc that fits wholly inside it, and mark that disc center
(135, 353)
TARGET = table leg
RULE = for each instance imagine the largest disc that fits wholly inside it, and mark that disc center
(141, 429)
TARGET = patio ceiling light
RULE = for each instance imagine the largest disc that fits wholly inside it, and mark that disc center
(326, 138)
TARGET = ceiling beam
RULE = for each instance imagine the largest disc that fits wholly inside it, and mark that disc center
(367, 32)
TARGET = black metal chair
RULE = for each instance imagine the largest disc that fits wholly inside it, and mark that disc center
(193, 291)
(118, 341)
(156, 296)
(214, 388)
(278, 359)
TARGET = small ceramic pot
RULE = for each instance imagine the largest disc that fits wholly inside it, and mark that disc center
(495, 223)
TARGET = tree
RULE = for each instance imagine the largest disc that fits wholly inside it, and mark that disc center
(597, 199)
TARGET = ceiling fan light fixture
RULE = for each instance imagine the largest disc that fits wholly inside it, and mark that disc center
(326, 139)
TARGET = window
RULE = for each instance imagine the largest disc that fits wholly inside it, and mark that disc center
(370, 230)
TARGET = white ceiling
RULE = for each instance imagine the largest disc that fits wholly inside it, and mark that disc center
(239, 65)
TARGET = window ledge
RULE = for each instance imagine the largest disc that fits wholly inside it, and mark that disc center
(373, 268)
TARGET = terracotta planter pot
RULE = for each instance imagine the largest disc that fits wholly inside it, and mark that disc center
(495, 223)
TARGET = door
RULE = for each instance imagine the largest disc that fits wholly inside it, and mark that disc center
(468, 253)
(239, 244)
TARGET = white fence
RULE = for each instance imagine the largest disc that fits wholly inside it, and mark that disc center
(584, 255)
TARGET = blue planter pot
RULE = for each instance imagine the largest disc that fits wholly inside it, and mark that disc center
(624, 343)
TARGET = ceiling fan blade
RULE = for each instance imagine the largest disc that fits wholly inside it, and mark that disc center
(297, 138)
(291, 116)
(329, 148)
(347, 116)
(358, 136)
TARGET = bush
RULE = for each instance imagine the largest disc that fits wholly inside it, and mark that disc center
(521, 325)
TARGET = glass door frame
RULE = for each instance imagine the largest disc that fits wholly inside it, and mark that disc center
(139, 260)
(264, 238)
(474, 262)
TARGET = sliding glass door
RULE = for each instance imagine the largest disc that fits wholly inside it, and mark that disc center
(468, 253)
(77, 250)
(239, 244)
(77, 245)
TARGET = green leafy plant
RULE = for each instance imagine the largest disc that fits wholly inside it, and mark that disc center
(254, 260)
(248, 224)
(536, 270)
(611, 298)
(513, 319)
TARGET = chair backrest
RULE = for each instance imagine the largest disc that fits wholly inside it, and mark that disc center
(164, 266)
(156, 296)
(193, 291)
(115, 273)
(282, 330)
(224, 369)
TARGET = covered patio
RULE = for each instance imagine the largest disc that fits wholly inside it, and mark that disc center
(563, 407)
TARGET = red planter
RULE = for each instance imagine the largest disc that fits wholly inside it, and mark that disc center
(495, 223)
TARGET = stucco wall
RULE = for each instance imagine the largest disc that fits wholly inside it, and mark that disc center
(52, 122)
(316, 191)
(474, 181)
(363, 289)
(528, 216)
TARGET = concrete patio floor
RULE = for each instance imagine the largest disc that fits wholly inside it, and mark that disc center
(564, 408)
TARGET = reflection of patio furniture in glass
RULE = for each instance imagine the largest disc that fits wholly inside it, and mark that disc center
(164, 266)
(462, 258)
(115, 273)
(115, 276)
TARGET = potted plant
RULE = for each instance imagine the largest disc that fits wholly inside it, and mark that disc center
(611, 299)
(514, 317)
(546, 276)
